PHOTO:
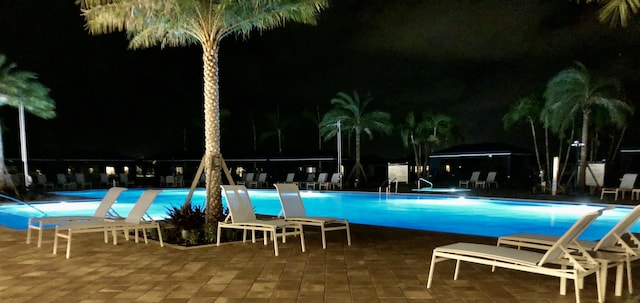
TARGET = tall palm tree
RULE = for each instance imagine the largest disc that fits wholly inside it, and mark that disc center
(274, 126)
(410, 137)
(315, 116)
(21, 88)
(149, 23)
(526, 110)
(574, 93)
(352, 113)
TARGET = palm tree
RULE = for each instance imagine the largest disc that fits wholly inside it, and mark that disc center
(526, 110)
(573, 93)
(352, 113)
(614, 11)
(21, 89)
(275, 124)
(316, 117)
(410, 137)
(149, 23)
(438, 127)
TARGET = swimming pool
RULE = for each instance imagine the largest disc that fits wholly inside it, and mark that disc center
(464, 215)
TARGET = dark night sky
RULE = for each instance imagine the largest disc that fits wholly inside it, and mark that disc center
(468, 59)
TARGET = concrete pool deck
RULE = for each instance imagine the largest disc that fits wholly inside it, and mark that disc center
(383, 265)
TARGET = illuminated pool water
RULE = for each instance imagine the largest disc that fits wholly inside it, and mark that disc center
(475, 216)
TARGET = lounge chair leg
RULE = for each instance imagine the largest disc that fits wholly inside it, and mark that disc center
(348, 234)
(160, 236)
(275, 243)
(69, 244)
(29, 233)
(563, 283)
(576, 283)
(40, 234)
(144, 234)
(629, 280)
(55, 241)
(432, 268)
(218, 235)
(324, 237)
(457, 270)
(302, 244)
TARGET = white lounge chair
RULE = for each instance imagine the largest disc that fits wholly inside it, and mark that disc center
(134, 220)
(293, 211)
(82, 183)
(103, 211)
(42, 181)
(614, 246)
(104, 180)
(559, 260)
(472, 180)
(63, 183)
(491, 179)
(241, 216)
(124, 180)
(322, 179)
(262, 180)
(247, 180)
(626, 185)
(336, 181)
(290, 178)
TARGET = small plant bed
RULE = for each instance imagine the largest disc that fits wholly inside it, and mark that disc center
(186, 226)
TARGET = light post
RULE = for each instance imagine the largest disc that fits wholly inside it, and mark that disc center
(578, 145)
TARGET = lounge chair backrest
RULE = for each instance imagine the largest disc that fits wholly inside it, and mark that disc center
(290, 200)
(475, 176)
(335, 178)
(290, 177)
(628, 181)
(322, 177)
(62, 179)
(262, 177)
(104, 178)
(107, 201)
(80, 178)
(623, 226)
(491, 176)
(42, 179)
(239, 203)
(142, 205)
(248, 177)
(558, 249)
(124, 178)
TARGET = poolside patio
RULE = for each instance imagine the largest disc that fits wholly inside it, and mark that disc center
(383, 265)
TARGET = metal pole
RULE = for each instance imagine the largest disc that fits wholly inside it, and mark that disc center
(339, 139)
(23, 144)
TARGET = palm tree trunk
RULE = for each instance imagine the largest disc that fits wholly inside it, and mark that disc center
(279, 141)
(546, 146)
(583, 149)
(255, 134)
(213, 157)
(415, 154)
(535, 144)
(612, 155)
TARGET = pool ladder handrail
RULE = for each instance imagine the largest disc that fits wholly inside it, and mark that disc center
(22, 202)
(388, 188)
(426, 181)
